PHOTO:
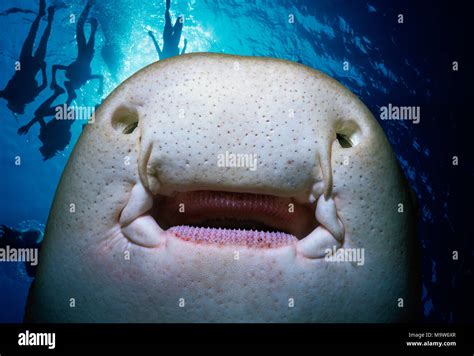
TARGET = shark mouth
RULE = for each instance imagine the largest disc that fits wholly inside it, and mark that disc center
(228, 218)
(222, 218)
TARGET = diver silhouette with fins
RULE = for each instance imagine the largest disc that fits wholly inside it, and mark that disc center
(21, 239)
(171, 36)
(46, 109)
(55, 134)
(79, 72)
(23, 87)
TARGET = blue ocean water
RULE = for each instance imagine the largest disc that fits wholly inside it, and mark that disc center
(359, 43)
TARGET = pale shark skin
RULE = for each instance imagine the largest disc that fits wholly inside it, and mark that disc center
(191, 108)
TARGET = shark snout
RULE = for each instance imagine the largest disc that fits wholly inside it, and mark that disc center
(216, 194)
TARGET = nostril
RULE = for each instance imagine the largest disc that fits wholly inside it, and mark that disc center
(343, 140)
(125, 120)
(348, 134)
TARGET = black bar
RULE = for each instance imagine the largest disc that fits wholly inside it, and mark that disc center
(93, 337)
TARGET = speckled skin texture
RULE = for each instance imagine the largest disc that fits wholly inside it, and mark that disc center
(190, 109)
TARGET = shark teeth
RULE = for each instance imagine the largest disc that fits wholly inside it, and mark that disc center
(143, 229)
(235, 237)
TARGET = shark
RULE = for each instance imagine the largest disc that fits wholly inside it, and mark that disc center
(150, 224)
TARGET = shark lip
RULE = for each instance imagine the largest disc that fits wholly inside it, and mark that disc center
(230, 218)
(233, 219)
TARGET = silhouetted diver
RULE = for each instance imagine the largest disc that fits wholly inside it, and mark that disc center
(79, 72)
(21, 239)
(55, 136)
(23, 87)
(171, 36)
(46, 109)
